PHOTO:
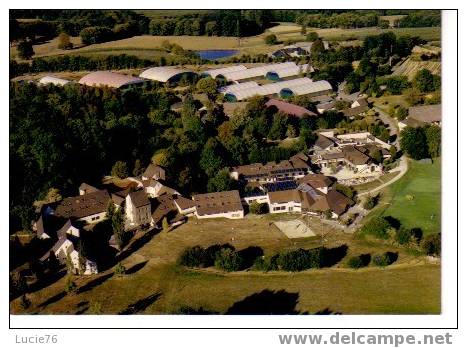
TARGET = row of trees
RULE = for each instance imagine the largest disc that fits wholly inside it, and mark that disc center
(48, 24)
(339, 20)
(107, 62)
(389, 228)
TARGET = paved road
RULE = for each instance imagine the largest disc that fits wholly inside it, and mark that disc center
(402, 168)
(391, 122)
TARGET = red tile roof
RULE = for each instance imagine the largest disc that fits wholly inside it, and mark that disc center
(290, 109)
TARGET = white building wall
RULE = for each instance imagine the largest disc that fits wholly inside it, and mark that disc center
(92, 219)
(288, 207)
(239, 214)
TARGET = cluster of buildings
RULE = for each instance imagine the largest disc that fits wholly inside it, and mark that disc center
(297, 49)
(348, 156)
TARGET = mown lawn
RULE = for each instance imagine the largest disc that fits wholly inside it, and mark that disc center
(156, 285)
(415, 199)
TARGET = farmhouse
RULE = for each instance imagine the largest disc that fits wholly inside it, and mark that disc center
(89, 207)
(109, 79)
(226, 204)
(167, 74)
(288, 108)
(46, 80)
(422, 115)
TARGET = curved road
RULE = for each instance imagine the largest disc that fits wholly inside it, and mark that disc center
(402, 168)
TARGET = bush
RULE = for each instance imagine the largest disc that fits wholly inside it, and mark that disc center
(193, 257)
(259, 208)
(312, 36)
(371, 202)
(120, 269)
(270, 39)
(348, 191)
(360, 261)
(295, 260)
(431, 245)
(377, 227)
(228, 260)
(70, 286)
(265, 264)
(120, 170)
(355, 262)
(403, 236)
(212, 251)
(385, 259)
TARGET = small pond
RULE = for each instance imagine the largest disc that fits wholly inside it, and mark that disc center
(216, 54)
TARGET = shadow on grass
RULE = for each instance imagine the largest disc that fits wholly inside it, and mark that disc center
(53, 299)
(82, 310)
(141, 305)
(136, 245)
(46, 280)
(136, 268)
(95, 282)
(392, 257)
(366, 259)
(327, 311)
(187, 310)
(332, 256)
(267, 302)
(249, 255)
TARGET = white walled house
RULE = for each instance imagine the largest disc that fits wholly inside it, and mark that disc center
(89, 207)
(137, 209)
(226, 204)
(287, 201)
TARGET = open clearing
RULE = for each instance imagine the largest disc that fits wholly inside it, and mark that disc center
(415, 199)
(156, 286)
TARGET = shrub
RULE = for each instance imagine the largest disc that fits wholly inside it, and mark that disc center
(295, 260)
(348, 191)
(403, 236)
(70, 286)
(371, 202)
(193, 257)
(377, 227)
(312, 36)
(259, 208)
(212, 251)
(355, 262)
(265, 264)
(228, 260)
(431, 245)
(120, 269)
(25, 302)
(385, 259)
(120, 170)
(360, 261)
(270, 39)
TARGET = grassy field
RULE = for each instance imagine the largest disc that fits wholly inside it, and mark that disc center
(415, 199)
(156, 285)
(148, 46)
